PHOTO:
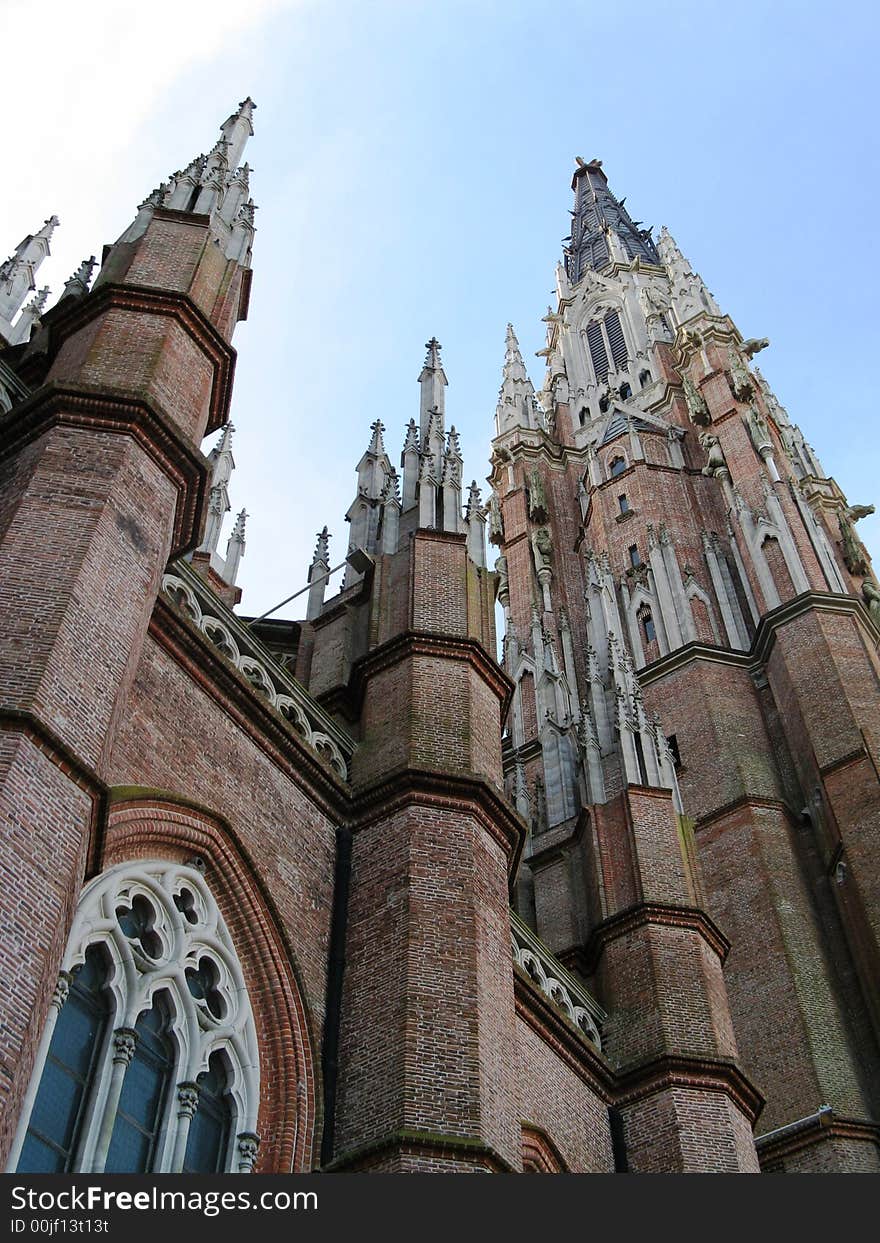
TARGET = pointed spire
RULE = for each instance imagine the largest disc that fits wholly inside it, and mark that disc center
(212, 185)
(29, 317)
(602, 230)
(77, 285)
(318, 573)
(235, 549)
(377, 444)
(516, 397)
(411, 440)
(474, 501)
(17, 273)
(432, 379)
(237, 129)
(322, 552)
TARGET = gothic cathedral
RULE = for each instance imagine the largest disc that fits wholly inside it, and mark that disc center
(349, 894)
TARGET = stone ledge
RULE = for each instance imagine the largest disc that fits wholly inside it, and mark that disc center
(69, 405)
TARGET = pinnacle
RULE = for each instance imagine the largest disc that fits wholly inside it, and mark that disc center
(238, 529)
(432, 358)
(377, 444)
(322, 548)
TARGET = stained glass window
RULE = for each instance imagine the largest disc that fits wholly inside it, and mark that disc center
(144, 1092)
(57, 1116)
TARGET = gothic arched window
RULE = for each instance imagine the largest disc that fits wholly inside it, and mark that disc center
(149, 1061)
(616, 466)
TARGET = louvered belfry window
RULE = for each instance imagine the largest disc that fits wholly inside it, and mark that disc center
(597, 351)
(606, 340)
(616, 339)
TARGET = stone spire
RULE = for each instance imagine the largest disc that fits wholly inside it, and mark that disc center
(318, 574)
(689, 295)
(18, 271)
(433, 383)
(223, 465)
(237, 129)
(602, 231)
(29, 317)
(77, 285)
(235, 549)
(516, 397)
(212, 185)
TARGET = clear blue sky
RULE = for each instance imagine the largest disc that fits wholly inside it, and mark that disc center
(412, 166)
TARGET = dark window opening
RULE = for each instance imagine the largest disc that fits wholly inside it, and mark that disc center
(597, 352)
(617, 467)
(208, 1139)
(672, 740)
(623, 503)
(648, 627)
(616, 339)
(640, 756)
(625, 392)
(634, 559)
(644, 378)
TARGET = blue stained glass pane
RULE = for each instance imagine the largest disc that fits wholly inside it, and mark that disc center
(55, 1109)
(209, 1130)
(144, 1089)
(203, 1144)
(129, 1149)
(59, 1107)
(38, 1157)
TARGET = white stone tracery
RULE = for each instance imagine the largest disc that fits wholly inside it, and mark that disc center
(187, 930)
(270, 688)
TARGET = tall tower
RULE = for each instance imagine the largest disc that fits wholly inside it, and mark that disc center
(102, 481)
(691, 626)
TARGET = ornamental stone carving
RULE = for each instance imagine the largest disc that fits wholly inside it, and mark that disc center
(716, 466)
(871, 596)
(698, 411)
(271, 683)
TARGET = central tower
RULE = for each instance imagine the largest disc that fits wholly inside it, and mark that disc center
(688, 630)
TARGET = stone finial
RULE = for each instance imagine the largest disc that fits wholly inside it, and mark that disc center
(377, 444)
(77, 285)
(474, 501)
(432, 357)
(432, 380)
(411, 440)
(322, 551)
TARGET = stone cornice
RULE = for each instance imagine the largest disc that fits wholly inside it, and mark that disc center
(643, 914)
(465, 793)
(56, 405)
(785, 1141)
(765, 636)
(144, 299)
(428, 1143)
(412, 643)
(692, 1072)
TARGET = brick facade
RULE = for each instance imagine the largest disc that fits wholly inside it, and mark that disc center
(673, 772)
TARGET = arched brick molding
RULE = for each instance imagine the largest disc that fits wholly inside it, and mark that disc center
(540, 1154)
(144, 825)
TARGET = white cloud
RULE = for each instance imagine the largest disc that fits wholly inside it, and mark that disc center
(80, 80)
